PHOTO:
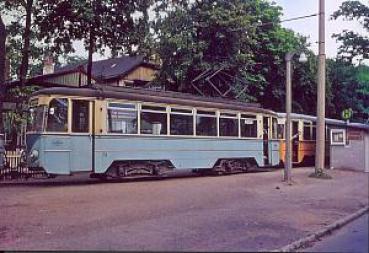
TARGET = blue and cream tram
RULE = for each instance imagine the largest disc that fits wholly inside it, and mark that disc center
(119, 132)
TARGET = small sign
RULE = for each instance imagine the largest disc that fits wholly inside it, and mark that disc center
(249, 121)
(347, 114)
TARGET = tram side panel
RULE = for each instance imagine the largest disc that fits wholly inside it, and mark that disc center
(59, 154)
(274, 152)
(183, 153)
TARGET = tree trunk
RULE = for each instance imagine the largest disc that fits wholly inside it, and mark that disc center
(89, 61)
(2, 73)
(26, 44)
(2, 88)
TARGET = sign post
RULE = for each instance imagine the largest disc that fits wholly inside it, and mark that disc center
(347, 114)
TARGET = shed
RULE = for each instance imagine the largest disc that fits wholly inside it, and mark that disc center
(349, 147)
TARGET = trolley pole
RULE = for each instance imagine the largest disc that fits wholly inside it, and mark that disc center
(320, 137)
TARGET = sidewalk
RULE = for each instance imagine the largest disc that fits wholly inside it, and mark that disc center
(243, 212)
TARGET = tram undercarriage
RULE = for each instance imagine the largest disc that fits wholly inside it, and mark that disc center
(130, 169)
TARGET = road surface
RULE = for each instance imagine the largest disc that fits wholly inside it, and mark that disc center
(244, 212)
(351, 238)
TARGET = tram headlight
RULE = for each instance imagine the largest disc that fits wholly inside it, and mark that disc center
(34, 154)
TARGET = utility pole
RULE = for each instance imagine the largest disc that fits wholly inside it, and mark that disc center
(288, 160)
(288, 156)
(320, 137)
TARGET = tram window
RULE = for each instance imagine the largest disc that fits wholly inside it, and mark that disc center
(248, 126)
(153, 120)
(206, 123)
(181, 122)
(274, 128)
(122, 120)
(80, 116)
(228, 126)
(313, 137)
(57, 117)
(280, 131)
(307, 131)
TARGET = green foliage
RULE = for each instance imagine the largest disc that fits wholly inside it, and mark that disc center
(15, 11)
(350, 89)
(242, 37)
(353, 43)
(110, 23)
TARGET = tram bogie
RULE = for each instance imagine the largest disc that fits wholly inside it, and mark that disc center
(234, 165)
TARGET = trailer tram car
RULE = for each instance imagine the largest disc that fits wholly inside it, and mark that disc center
(119, 132)
(304, 137)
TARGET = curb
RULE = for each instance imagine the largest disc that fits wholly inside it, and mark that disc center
(326, 230)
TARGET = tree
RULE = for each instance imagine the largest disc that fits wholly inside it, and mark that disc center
(353, 43)
(2, 87)
(242, 37)
(349, 87)
(98, 23)
(24, 10)
(2, 74)
(22, 35)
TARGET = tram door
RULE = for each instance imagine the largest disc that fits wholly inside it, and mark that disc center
(266, 140)
(295, 141)
(81, 138)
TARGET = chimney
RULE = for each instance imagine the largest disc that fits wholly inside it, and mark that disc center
(48, 65)
(7, 70)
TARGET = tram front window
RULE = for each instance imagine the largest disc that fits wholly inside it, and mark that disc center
(37, 116)
(57, 116)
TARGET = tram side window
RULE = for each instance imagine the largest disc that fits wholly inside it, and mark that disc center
(274, 128)
(206, 123)
(248, 126)
(122, 118)
(280, 131)
(80, 116)
(307, 131)
(228, 125)
(181, 122)
(313, 132)
(57, 117)
(153, 120)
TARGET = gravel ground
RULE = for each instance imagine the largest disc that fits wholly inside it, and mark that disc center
(243, 212)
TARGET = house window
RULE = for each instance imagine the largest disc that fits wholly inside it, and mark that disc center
(338, 137)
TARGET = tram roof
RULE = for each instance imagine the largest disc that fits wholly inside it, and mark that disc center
(167, 97)
(335, 122)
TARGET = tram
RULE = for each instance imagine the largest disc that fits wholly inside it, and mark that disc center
(304, 137)
(119, 132)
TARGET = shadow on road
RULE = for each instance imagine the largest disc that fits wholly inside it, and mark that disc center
(84, 179)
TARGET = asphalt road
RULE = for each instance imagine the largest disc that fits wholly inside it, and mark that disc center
(244, 212)
(351, 238)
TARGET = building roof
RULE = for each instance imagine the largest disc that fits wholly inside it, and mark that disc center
(109, 68)
(103, 70)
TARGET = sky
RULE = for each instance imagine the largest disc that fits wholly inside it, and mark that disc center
(309, 27)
